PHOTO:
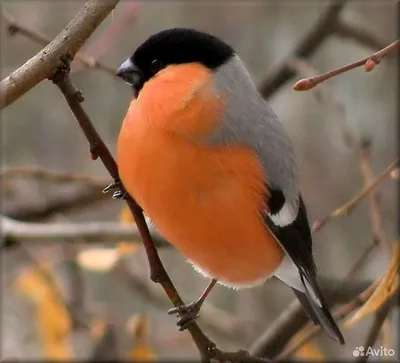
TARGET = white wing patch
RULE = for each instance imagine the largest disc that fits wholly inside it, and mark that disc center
(286, 215)
(289, 274)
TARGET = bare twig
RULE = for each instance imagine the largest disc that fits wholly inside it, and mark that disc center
(350, 205)
(70, 232)
(324, 27)
(16, 28)
(361, 36)
(76, 285)
(376, 219)
(67, 43)
(369, 63)
(107, 347)
(122, 18)
(60, 203)
(51, 176)
(362, 259)
(377, 324)
(206, 347)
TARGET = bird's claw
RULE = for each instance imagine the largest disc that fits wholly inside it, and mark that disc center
(118, 194)
(114, 185)
(187, 314)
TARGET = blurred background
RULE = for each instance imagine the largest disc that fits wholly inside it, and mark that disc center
(113, 300)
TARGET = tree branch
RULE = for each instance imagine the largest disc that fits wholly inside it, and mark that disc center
(369, 64)
(361, 36)
(54, 176)
(70, 232)
(107, 347)
(67, 43)
(377, 324)
(61, 203)
(88, 61)
(323, 28)
(376, 219)
(348, 207)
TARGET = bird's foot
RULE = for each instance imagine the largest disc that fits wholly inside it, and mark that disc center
(118, 194)
(187, 314)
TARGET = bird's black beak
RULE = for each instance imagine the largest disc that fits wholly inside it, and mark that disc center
(130, 74)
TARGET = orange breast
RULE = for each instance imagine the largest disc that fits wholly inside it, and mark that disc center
(205, 200)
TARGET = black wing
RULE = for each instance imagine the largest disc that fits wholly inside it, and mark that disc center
(295, 238)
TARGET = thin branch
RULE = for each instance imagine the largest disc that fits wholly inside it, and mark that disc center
(363, 258)
(67, 43)
(15, 27)
(376, 326)
(324, 27)
(61, 203)
(48, 175)
(107, 346)
(376, 219)
(70, 232)
(206, 347)
(348, 207)
(122, 19)
(361, 36)
(76, 284)
(369, 64)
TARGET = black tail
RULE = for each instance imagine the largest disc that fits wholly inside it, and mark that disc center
(320, 315)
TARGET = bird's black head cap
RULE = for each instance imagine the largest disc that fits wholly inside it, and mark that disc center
(177, 46)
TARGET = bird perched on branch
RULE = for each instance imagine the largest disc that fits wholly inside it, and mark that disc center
(213, 168)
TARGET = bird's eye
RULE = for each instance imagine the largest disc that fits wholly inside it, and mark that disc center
(156, 65)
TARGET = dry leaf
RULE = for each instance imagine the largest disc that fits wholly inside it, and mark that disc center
(52, 318)
(141, 353)
(98, 259)
(54, 325)
(310, 351)
(126, 248)
(55, 318)
(32, 284)
(388, 285)
(140, 350)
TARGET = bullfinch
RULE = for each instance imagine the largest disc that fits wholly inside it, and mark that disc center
(214, 170)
